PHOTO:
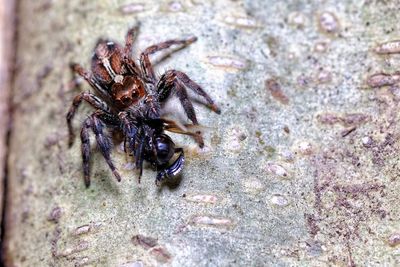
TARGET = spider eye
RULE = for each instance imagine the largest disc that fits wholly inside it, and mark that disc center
(126, 100)
(110, 45)
(135, 94)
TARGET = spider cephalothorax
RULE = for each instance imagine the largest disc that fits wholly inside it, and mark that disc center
(128, 99)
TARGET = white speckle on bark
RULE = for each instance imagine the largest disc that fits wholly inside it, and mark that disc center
(207, 199)
(227, 62)
(277, 170)
(242, 22)
(391, 47)
(328, 22)
(253, 185)
(279, 200)
(211, 221)
(132, 8)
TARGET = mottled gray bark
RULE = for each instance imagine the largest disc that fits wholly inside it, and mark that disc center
(300, 169)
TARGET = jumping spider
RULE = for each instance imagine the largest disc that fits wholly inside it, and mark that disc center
(129, 100)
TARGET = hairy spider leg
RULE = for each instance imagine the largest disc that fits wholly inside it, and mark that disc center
(90, 98)
(130, 130)
(145, 63)
(88, 76)
(174, 169)
(85, 147)
(153, 107)
(185, 101)
(139, 153)
(175, 81)
(128, 60)
(103, 143)
(173, 75)
(130, 39)
(181, 92)
(137, 137)
(111, 120)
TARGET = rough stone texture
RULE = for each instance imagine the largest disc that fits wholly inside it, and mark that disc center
(301, 170)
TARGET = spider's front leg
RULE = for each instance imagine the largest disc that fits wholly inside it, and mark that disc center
(173, 170)
(145, 63)
(88, 76)
(90, 98)
(128, 60)
(174, 81)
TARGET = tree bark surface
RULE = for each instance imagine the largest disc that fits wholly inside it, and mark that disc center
(300, 169)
